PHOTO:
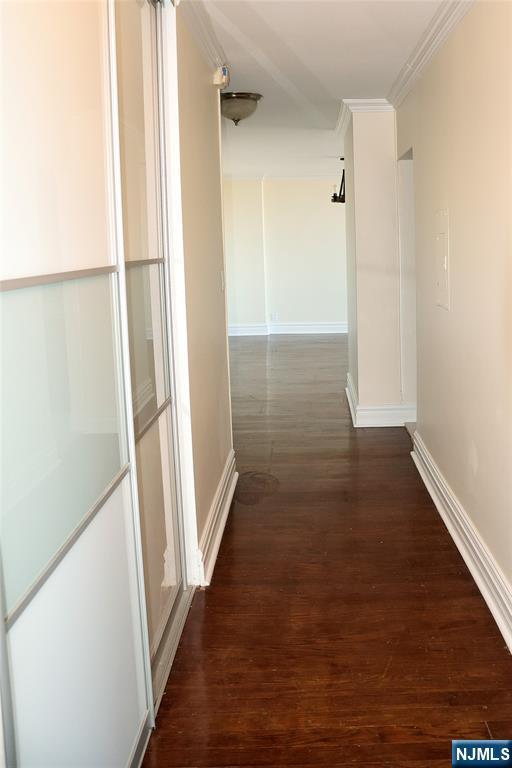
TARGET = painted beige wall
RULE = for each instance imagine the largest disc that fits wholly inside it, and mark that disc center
(204, 264)
(374, 257)
(245, 268)
(285, 245)
(56, 162)
(458, 121)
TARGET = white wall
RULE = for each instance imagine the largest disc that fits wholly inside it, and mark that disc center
(462, 150)
(285, 246)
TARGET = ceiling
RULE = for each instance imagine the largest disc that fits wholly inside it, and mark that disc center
(305, 56)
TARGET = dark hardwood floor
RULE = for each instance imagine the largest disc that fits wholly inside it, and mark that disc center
(342, 626)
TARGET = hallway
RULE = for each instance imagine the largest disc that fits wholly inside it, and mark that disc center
(342, 626)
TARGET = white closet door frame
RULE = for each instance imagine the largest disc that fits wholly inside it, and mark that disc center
(174, 271)
(167, 64)
(118, 236)
(8, 756)
(8, 737)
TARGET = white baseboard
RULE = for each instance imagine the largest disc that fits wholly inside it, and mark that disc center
(377, 415)
(141, 743)
(351, 393)
(495, 589)
(306, 328)
(267, 329)
(260, 329)
(162, 662)
(215, 524)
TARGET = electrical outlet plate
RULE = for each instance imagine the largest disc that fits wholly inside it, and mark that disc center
(442, 256)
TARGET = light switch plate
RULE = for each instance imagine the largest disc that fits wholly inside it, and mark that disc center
(442, 256)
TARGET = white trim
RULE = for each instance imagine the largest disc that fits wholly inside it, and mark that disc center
(177, 326)
(267, 329)
(169, 645)
(254, 329)
(411, 428)
(200, 25)
(385, 415)
(121, 315)
(352, 398)
(368, 105)
(343, 119)
(377, 415)
(216, 521)
(305, 328)
(446, 18)
(489, 578)
(141, 743)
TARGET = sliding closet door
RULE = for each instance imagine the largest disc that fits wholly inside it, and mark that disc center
(75, 668)
(146, 296)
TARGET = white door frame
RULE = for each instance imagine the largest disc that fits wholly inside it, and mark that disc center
(176, 291)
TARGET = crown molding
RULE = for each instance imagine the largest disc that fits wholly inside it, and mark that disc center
(445, 19)
(343, 120)
(368, 105)
(200, 25)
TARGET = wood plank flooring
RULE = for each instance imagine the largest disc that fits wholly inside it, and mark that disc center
(342, 627)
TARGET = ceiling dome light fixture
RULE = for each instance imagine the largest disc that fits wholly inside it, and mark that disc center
(238, 106)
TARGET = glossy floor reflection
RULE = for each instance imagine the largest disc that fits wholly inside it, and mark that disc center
(342, 627)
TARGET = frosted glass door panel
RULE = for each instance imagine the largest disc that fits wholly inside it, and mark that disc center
(76, 656)
(63, 437)
(137, 79)
(148, 356)
(159, 531)
(54, 120)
